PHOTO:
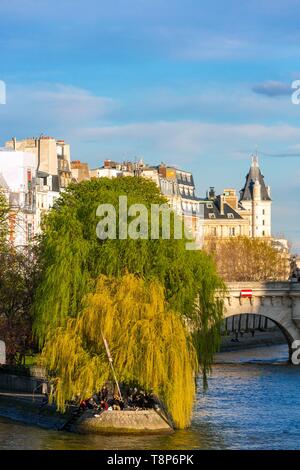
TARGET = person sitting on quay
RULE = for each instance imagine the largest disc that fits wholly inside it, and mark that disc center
(116, 403)
(103, 393)
(103, 405)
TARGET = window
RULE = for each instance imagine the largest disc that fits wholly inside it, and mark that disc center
(263, 222)
(29, 232)
(263, 211)
(263, 233)
(209, 205)
(231, 231)
(212, 216)
(230, 215)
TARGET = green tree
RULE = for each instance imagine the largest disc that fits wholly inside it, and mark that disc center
(73, 258)
(19, 275)
(18, 279)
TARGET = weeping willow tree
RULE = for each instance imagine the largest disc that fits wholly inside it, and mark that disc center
(73, 258)
(148, 341)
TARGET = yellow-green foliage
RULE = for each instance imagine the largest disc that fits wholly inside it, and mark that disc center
(248, 259)
(149, 343)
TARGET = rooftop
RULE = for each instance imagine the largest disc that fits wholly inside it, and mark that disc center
(252, 177)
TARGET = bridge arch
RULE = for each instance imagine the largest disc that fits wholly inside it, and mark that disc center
(249, 322)
(279, 302)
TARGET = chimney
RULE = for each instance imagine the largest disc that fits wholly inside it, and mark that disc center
(107, 164)
(162, 170)
(221, 203)
(14, 143)
(212, 193)
(230, 198)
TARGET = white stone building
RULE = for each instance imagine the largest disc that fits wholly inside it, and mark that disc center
(17, 179)
(30, 193)
(33, 172)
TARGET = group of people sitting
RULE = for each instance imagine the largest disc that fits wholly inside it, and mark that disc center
(133, 399)
(140, 399)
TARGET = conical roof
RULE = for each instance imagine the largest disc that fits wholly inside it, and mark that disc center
(251, 178)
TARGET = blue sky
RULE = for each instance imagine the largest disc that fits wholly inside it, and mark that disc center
(196, 84)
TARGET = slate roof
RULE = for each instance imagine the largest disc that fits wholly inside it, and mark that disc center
(253, 176)
(210, 207)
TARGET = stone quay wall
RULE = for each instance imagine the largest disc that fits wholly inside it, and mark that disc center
(140, 421)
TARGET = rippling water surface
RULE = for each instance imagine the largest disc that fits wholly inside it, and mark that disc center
(253, 402)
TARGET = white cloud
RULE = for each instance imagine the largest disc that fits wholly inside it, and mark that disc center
(51, 108)
(191, 139)
(193, 46)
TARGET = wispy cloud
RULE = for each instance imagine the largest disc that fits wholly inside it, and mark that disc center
(184, 141)
(280, 155)
(273, 88)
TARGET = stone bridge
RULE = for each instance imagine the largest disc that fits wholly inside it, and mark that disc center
(278, 301)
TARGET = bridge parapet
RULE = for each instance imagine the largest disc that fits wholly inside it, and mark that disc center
(265, 288)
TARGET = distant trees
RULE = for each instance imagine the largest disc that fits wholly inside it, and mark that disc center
(18, 278)
(248, 259)
(19, 273)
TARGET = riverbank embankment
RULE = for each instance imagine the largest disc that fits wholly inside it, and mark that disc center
(20, 401)
(31, 409)
(247, 341)
(22, 398)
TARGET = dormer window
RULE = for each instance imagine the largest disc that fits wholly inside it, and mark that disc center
(212, 215)
(230, 215)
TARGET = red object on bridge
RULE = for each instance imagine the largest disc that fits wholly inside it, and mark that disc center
(246, 293)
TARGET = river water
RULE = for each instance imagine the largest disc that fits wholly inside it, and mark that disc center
(253, 402)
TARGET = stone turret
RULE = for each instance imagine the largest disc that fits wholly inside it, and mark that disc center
(255, 198)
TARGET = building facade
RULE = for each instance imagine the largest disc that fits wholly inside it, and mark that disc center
(52, 156)
(33, 172)
(17, 181)
(222, 217)
(80, 171)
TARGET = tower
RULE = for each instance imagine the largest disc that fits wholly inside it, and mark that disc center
(255, 198)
